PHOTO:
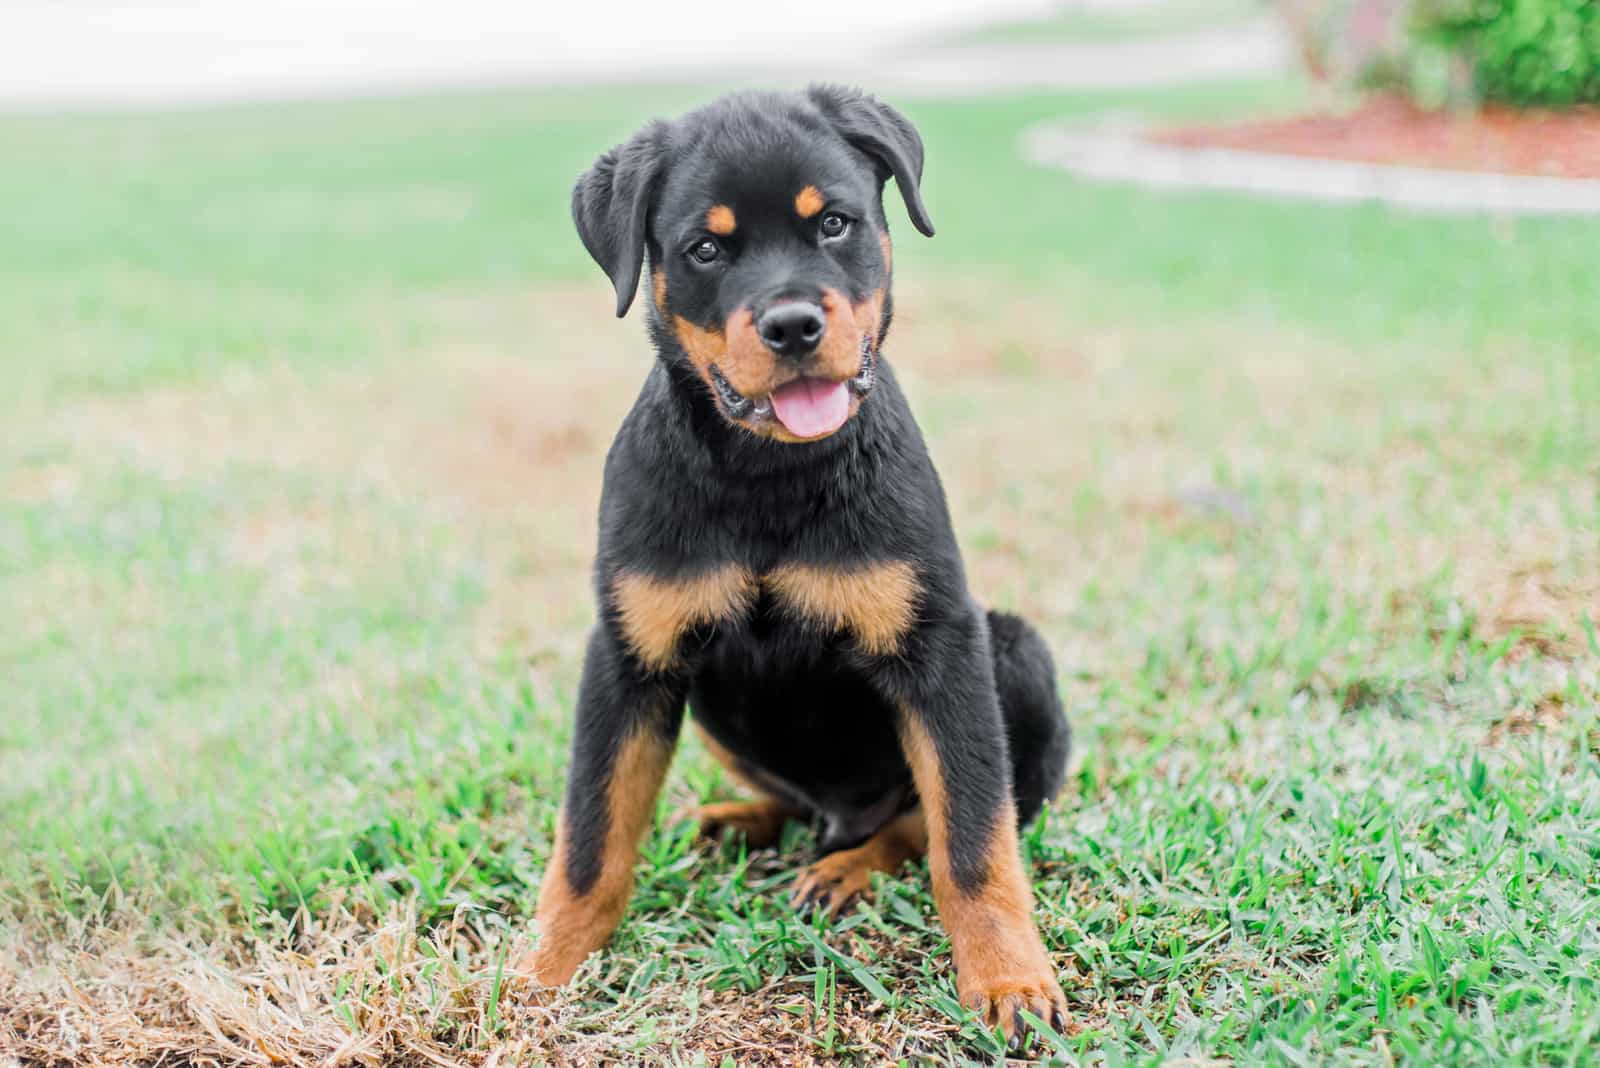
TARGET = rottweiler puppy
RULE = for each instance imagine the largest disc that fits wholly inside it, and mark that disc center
(775, 552)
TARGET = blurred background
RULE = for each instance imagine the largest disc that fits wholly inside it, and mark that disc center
(113, 52)
(1258, 352)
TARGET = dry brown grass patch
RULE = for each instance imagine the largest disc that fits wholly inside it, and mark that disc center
(129, 998)
(341, 989)
(1546, 714)
(1536, 588)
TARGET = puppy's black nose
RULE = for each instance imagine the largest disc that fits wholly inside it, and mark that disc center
(792, 328)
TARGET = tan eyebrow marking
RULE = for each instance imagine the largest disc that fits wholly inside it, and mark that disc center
(719, 220)
(808, 201)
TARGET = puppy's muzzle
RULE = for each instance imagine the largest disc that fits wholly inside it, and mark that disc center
(738, 406)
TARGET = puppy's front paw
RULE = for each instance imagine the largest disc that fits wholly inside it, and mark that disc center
(550, 965)
(570, 929)
(998, 990)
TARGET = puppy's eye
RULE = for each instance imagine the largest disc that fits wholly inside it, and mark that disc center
(706, 251)
(834, 225)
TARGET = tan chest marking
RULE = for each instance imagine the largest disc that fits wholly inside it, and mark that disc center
(656, 613)
(877, 603)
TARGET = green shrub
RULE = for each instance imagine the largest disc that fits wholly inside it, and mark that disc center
(1524, 52)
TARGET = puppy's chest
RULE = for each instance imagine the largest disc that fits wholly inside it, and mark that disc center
(874, 604)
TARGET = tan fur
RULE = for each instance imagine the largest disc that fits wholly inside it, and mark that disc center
(735, 348)
(705, 345)
(1001, 964)
(808, 202)
(720, 220)
(846, 876)
(839, 355)
(572, 926)
(876, 603)
(658, 287)
(655, 613)
(869, 319)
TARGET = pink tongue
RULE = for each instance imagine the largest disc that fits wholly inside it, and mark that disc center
(811, 407)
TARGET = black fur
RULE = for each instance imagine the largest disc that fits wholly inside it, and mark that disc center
(610, 206)
(689, 490)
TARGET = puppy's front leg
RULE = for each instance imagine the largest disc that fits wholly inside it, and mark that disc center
(626, 728)
(954, 741)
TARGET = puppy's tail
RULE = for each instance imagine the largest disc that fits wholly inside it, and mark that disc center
(1037, 732)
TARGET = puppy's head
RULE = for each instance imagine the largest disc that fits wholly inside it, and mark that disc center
(762, 219)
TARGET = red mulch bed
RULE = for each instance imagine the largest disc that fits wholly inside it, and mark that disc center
(1563, 144)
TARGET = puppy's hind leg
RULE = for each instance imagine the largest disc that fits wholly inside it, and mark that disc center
(759, 822)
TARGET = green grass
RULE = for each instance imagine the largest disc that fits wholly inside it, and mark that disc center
(304, 426)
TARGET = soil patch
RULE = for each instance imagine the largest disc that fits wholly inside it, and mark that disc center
(1393, 131)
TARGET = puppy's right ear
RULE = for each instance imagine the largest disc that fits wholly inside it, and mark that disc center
(882, 133)
(611, 207)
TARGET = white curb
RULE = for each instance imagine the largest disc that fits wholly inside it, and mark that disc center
(1117, 152)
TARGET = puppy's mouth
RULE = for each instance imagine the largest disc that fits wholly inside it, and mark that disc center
(807, 407)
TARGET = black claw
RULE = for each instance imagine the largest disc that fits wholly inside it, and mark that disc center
(812, 900)
(1058, 1021)
(1014, 1043)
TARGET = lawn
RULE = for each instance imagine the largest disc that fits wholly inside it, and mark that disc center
(304, 416)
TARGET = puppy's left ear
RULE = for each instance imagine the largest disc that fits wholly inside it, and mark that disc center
(882, 133)
(611, 207)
